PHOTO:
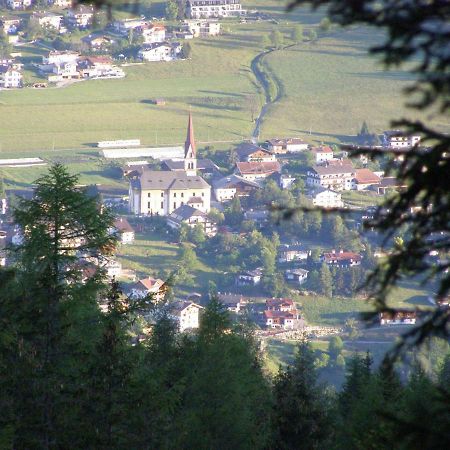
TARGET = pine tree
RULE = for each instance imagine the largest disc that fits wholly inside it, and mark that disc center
(302, 418)
(326, 281)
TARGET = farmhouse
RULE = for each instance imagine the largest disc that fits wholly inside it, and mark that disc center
(48, 20)
(191, 217)
(228, 187)
(280, 304)
(282, 313)
(124, 26)
(124, 230)
(160, 51)
(294, 252)
(10, 77)
(152, 33)
(388, 184)
(186, 315)
(80, 17)
(18, 4)
(397, 139)
(250, 152)
(233, 302)
(297, 276)
(399, 317)
(336, 177)
(202, 28)
(257, 170)
(365, 178)
(249, 277)
(98, 42)
(198, 9)
(326, 198)
(162, 192)
(322, 154)
(286, 145)
(341, 258)
(11, 25)
(62, 3)
(148, 286)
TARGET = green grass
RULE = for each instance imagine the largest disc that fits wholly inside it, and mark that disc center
(362, 199)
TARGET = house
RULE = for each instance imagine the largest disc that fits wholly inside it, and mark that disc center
(399, 317)
(204, 9)
(364, 179)
(253, 171)
(63, 4)
(388, 184)
(228, 187)
(98, 42)
(59, 57)
(336, 177)
(152, 33)
(297, 276)
(149, 286)
(99, 67)
(160, 51)
(186, 315)
(285, 320)
(250, 277)
(285, 181)
(113, 268)
(286, 145)
(294, 252)
(18, 4)
(10, 26)
(326, 198)
(64, 71)
(124, 26)
(162, 192)
(10, 77)
(124, 231)
(80, 17)
(280, 304)
(341, 258)
(232, 302)
(397, 139)
(322, 154)
(250, 152)
(48, 20)
(191, 217)
(202, 28)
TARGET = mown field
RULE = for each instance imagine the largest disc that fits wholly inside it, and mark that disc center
(328, 88)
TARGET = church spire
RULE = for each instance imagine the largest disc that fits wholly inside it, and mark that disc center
(189, 145)
(190, 153)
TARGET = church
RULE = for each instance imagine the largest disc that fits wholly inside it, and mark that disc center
(158, 192)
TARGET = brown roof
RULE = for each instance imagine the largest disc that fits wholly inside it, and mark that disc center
(366, 176)
(151, 284)
(279, 302)
(122, 225)
(334, 169)
(322, 149)
(256, 167)
(341, 256)
(99, 60)
(286, 141)
(281, 314)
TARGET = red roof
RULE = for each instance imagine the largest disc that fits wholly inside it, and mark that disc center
(279, 302)
(151, 283)
(322, 149)
(366, 176)
(122, 225)
(341, 256)
(256, 167)
(281, 314)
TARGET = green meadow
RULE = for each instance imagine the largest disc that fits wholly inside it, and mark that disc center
(327, 89)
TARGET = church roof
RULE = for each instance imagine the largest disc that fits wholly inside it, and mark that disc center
(190, 140)
(158, 179)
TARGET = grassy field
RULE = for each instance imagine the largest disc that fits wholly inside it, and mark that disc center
(329, 88)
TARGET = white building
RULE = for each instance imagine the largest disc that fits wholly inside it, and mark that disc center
(336, 177)
(286, 145)
(124, 230)
(160, 51)
(48, 20)
(202, 28)
(186, 315)
(152, 33)
(192, 217)
(326, 198)
(59, 57)
(198, 9)
(18, 4)
(322, 154)
(397, 139)
(62, 3)
(10, 77)
(124, 26)
(228, 187)
(80, 17)
(154, 287)
(161, 192)
(297, 276)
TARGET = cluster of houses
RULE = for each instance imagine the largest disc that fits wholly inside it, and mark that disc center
(11, 75)
(69, 65)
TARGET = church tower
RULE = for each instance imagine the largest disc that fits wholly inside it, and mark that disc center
(190, 153)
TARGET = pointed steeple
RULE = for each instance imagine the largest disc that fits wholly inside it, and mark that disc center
(189, 145)
(190, 153)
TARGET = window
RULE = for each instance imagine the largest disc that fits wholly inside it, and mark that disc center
(203, 194)
(149, 205)
(162, 194)
(174, 195)
(193, 195)
(148, 195)
(182, 195)
(174, 205)
(162, 205)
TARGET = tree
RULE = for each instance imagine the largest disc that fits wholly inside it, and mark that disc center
(325, 25)
(335, 347)
(326, 281)
(187, 50)
(297, 33)
(276, 39)
(265, 41)
(252, 103)
(312, 35)
(302, 416)
(171, 10)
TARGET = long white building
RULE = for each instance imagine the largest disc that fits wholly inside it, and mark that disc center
(203, 9)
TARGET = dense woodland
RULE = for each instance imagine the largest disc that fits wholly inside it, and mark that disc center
(75, 376)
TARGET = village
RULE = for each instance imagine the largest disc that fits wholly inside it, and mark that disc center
(95, 52)
(189, 200)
